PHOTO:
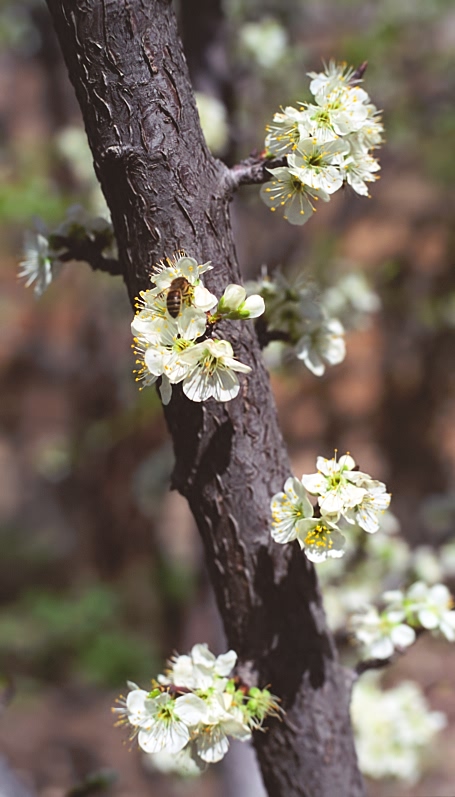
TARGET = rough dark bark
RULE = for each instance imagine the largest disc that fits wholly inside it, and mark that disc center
(166, 192)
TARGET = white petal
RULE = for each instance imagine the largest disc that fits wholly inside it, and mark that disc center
(203, 299)
(212, 744)
(346, 462)
(225, 385)
(233, 296)
(197, 386)
(236, 365)
(255, 306)
(428, 619)
(403, 636)
(138, 711)
(312, 361)
(188, 267)
(440, 595)
(314, 483)
(191, 709)
(381, 649)
(154, 359)
(141, 325)
(331, 503)
(284, 532)
(171, 736)
(226, 663)
(192, 323)
(368, 521)
(202, 656)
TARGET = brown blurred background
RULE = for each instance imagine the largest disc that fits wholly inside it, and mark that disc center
(101, 572)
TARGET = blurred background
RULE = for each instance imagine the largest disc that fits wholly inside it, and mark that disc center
(101, 571)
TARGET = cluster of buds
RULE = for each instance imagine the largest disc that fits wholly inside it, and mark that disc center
(195, 707)
(326, 143)
(45, 251)
(343, 494)
(394, 628)
(173, 332)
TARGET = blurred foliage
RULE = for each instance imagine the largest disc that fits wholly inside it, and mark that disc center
(82, 633)
(29, 192)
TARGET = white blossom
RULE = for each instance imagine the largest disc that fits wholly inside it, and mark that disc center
(283, 133)
(234, 304)
(200, 669)
(334, 76)
(180, 265)
(160, 343)
(392, 729)
(338, 112)
(162, 722)
(221, 720)
(430, 607)
(286, 191)
(381, 634)
(165, 338)
(333, 484)
(359, 169)
(194, 707)
(288, 508)
(318, 164)
(321, 344)
(325, 143)
(370, 134)
(320, 539)
(371, 506)
(36, 267)
(211, 371)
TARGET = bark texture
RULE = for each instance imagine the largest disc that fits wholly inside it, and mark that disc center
(166, 192)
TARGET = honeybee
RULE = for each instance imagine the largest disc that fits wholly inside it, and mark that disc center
(179, 291)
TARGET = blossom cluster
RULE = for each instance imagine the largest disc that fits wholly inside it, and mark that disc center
(45, 250)
(376, 563)
(392, 729)
(343, 494)
(326, 143)
(173, 332)
(195, 707)
(309, 323)
(295, 312)
(394, 628)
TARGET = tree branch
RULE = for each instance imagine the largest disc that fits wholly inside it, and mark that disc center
(90, 252)
(166, 192)
(253, 170)
(373, 664)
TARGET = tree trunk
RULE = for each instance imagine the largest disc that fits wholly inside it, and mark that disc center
(166, 192)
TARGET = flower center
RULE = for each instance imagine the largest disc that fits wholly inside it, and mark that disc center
(320, 536)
